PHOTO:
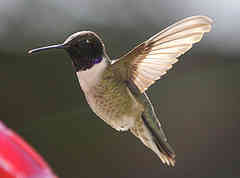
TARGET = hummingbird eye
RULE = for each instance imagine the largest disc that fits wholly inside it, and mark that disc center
(81, 43)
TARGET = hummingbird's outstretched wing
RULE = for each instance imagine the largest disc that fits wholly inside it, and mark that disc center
(150, 60)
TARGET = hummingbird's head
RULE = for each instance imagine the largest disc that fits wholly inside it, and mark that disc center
(85, 49)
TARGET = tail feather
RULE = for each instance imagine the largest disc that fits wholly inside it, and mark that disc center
(165, 151)
(148, 129)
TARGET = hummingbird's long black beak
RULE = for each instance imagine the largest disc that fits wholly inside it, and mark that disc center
(58, 46)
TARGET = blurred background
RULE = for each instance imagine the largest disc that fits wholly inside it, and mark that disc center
(197, 101)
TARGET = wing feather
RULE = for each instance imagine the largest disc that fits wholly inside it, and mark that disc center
(149, 61)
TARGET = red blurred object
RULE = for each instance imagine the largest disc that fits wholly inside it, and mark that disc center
(18, 159)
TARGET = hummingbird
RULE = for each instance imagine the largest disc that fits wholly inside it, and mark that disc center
(116, 89)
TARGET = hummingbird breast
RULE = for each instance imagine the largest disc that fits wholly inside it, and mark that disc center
(110, 98)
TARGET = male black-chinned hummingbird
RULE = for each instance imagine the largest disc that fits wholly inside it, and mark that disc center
(116, 89)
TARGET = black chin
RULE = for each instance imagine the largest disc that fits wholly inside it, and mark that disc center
(84, 63)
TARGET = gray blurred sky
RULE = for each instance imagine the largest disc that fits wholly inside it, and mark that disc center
(55, 19)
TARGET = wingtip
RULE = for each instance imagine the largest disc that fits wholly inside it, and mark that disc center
(208, 19)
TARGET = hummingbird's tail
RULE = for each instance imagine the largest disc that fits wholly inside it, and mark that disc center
(158, 143)
(148, 129)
